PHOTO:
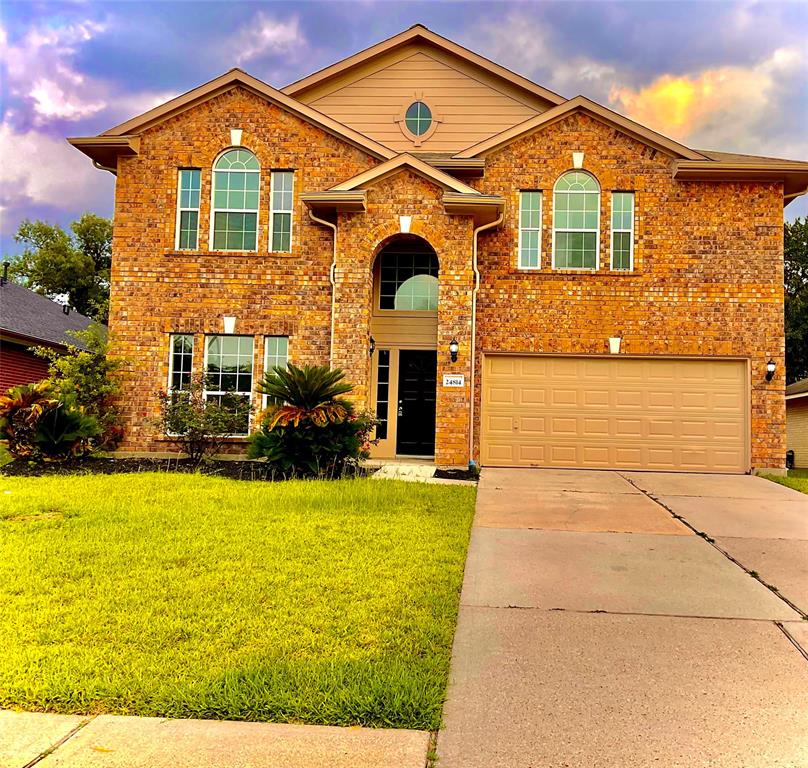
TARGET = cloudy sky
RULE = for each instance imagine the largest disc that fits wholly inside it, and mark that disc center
(731, 76)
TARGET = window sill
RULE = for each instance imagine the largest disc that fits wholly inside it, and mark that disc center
(238, 439)
(578, 272)
(262, 254)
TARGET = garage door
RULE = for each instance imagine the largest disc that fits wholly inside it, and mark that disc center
(615, 412)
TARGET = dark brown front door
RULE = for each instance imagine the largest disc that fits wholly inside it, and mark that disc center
(417, 385)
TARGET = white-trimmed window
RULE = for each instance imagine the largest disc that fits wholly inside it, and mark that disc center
(276, 354)
(234, 220)
(623, 230)
(229, 370)
(280, 215)
(180, 361)
(529, 229)
(188, 185)
(576, 221)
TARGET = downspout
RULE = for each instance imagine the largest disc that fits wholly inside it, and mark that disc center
(474, 292)
(332, 278)
(113, 171)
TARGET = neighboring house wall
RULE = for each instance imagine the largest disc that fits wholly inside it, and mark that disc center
(18, 365)
(707, 278)
(797, 430)
(157, 290)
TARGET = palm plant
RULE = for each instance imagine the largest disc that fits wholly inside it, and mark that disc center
(311, 393)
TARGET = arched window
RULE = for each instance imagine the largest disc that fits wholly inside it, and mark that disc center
(235, 201)
(409, 278)
(576, 220)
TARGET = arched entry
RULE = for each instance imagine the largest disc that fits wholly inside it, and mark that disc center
(404, 326)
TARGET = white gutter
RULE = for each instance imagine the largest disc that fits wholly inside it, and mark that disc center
(474, 292)
(332, 278)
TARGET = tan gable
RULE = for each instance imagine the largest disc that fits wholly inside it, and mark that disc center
(470, 98)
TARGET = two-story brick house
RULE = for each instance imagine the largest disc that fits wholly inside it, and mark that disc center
(505, 275)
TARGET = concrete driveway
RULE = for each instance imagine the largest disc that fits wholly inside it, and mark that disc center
(598, 628)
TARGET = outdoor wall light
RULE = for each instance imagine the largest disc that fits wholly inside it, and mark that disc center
(454, 347)
(771, 367)
(372, 347)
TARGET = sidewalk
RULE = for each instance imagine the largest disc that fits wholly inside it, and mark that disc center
(29, 739)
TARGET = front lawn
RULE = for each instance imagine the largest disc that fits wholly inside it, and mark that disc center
(797, 479)
(190, 596)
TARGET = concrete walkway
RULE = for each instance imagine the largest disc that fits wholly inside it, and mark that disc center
(598, 629)
(29, 739)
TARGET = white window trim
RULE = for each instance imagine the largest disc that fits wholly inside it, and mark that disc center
(214, 210)
(266, 360)
(171, 336)
(180, 210)
(206, 392)
(519, 264)
(575, 229)
(612, 231)
(273, 211)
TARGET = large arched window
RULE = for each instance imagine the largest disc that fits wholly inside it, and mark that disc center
(234, 218)
(576, 221)
(409, 277)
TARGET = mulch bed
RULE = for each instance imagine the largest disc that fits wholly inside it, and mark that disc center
(233, 470)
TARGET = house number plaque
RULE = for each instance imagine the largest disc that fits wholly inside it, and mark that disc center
(453, 379)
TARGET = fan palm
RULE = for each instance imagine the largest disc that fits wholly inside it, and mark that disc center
(311, 393)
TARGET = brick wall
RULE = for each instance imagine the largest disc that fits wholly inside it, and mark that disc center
(157, 290)
(707, 278)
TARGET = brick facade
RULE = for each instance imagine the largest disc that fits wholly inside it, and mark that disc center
(707, 278)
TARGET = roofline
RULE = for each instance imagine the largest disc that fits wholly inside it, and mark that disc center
(545, 119)
(354, 201)
(792, 173)
(415, 32)
(21, 338)
(797, 395)
(236, 77)
(394, 164)
(103, 150)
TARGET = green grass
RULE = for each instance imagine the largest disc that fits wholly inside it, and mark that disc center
(797, 479)
(191, 596)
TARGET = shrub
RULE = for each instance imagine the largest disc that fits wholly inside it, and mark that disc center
(200, 427)
(42, 426)
(84, 375)
(308, 429)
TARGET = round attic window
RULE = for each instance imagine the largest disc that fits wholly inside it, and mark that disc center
(418, 118)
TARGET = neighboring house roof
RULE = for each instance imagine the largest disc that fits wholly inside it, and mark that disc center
(37, 319)
(797, 389)
(415, 34)
(98, 147)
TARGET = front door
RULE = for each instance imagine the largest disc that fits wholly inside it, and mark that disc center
(417, 386)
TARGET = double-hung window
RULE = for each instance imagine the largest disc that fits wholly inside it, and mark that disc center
(529, 229)
(576, 217)
(234, 223)
(280, 217)
(229, 373)
(180, 361)
(276, 355)
(188, 184)
(623, 230)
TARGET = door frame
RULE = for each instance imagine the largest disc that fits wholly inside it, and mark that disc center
(747, 361)
(386, 449)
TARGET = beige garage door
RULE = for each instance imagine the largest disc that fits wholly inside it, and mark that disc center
(615, 412)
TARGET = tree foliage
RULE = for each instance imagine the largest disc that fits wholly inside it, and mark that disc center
(75, 264)
(796, 301)
(85, 375)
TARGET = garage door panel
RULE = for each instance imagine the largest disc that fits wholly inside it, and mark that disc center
(616, 412)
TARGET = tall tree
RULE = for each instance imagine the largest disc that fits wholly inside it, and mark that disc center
(76, 264)
(796, 283)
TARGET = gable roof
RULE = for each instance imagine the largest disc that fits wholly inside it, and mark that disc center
(36, 318)
(396, 164)
(98, 147)
(582, 104)
(415, 34)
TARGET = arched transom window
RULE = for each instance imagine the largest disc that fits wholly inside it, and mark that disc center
(576, 217)
(409, 280)
(236, 176)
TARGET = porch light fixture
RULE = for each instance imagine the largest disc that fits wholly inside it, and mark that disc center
(372, 347)
(771, 367)
(454, 348)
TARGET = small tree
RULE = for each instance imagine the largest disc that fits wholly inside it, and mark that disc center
(199, 427)
(308, 429)
(84, 375)
(796, 299)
